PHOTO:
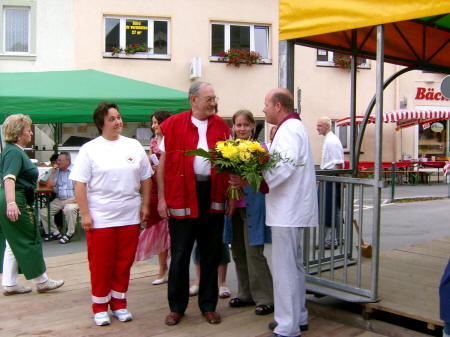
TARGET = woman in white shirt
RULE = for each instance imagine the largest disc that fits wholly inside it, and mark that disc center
(109, 172)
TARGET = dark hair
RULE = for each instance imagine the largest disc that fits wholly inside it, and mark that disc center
(161, 115)
(101, 112)
(53, 157)
(284, 99)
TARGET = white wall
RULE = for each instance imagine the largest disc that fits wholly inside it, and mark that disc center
(54, 39)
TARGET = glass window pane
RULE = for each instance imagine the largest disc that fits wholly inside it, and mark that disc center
(136, 32)
(16, 29)
(240, 37)
(160, 37)
(112, 33)
(262, 41)
(343, 135)
(322, 55)
(217, 39)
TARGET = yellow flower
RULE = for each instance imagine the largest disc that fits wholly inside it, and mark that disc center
(255, 146)
(228, 151)
(220, 145)
(242, 146)
(245, 156)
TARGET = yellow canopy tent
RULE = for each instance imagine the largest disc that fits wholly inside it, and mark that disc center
(417, 32)
(413, 33)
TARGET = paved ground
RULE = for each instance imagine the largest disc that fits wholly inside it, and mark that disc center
(420, 219)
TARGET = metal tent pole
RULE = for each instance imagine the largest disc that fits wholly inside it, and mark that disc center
(286, 65)
(378, 160)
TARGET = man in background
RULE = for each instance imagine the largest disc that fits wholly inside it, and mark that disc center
(332, 159)
(64, 189)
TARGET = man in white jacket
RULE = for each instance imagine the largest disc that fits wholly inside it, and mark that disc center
(291, 205)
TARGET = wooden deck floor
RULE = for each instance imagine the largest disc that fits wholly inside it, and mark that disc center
(409, 281)
(67, 312)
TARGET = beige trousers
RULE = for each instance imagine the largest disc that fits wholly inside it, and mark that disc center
(70, 208)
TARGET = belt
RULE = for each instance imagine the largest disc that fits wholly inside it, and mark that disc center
(201, 177)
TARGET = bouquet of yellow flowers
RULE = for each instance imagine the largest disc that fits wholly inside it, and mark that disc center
(242, 157)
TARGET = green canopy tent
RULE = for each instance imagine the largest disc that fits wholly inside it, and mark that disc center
(72, 96)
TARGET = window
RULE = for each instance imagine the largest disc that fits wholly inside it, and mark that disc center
(343, 133)
(240, 36)
(123, 34)
(327, 58)
(17, 26)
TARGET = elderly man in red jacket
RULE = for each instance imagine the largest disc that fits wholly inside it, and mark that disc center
(192, 195)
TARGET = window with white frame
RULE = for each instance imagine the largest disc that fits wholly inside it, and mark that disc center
(17, 25)
(343, 133)
(135, 37)
(334, 59)
(250, 37)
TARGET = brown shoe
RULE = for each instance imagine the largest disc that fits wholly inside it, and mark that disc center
(212, 317)
(173, 318)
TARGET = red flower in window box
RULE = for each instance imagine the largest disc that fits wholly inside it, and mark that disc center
(345, 61)
(237, 56)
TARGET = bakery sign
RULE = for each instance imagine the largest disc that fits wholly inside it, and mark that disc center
(429, 94)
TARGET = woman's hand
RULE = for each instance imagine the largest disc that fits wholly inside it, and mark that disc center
(145, 212)
(231, 207)
(86, 222)
(12, 211)
(237, 182)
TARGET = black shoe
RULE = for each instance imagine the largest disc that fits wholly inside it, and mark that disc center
(65, 239)
(52, 237)
(273, 325)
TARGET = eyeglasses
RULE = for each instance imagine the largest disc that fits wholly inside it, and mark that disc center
(210, 99)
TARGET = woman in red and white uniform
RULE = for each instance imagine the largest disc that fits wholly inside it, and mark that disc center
(109, 172)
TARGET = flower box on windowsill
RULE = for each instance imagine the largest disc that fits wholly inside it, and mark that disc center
(237, 57)
(137, 56)
(218, 59)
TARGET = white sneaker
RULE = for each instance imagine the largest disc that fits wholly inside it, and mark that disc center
(17, 289)
(123, 315)
(193, 290)
(102, 318)
(49, 285)
(160, 280)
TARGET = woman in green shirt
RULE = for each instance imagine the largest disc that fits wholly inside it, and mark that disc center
(20, 241)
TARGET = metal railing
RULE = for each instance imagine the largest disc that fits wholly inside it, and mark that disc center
(341, 270)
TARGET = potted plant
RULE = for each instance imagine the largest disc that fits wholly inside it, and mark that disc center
(136, 48)
(130, 49)
(235, 57)
(345, 61)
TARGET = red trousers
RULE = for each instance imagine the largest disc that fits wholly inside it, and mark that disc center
(111, 254)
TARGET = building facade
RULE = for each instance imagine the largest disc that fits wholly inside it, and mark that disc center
(173, 43)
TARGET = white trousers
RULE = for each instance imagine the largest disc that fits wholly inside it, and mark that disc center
(11, 269)
(288, 280)
(70, 213)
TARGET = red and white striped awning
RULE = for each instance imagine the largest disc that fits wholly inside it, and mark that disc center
(403, 118)
(358, 120)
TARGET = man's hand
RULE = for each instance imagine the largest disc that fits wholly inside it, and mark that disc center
(163, 210)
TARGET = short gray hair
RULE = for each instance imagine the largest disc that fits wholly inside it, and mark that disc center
(67, 154)
(195, 88)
